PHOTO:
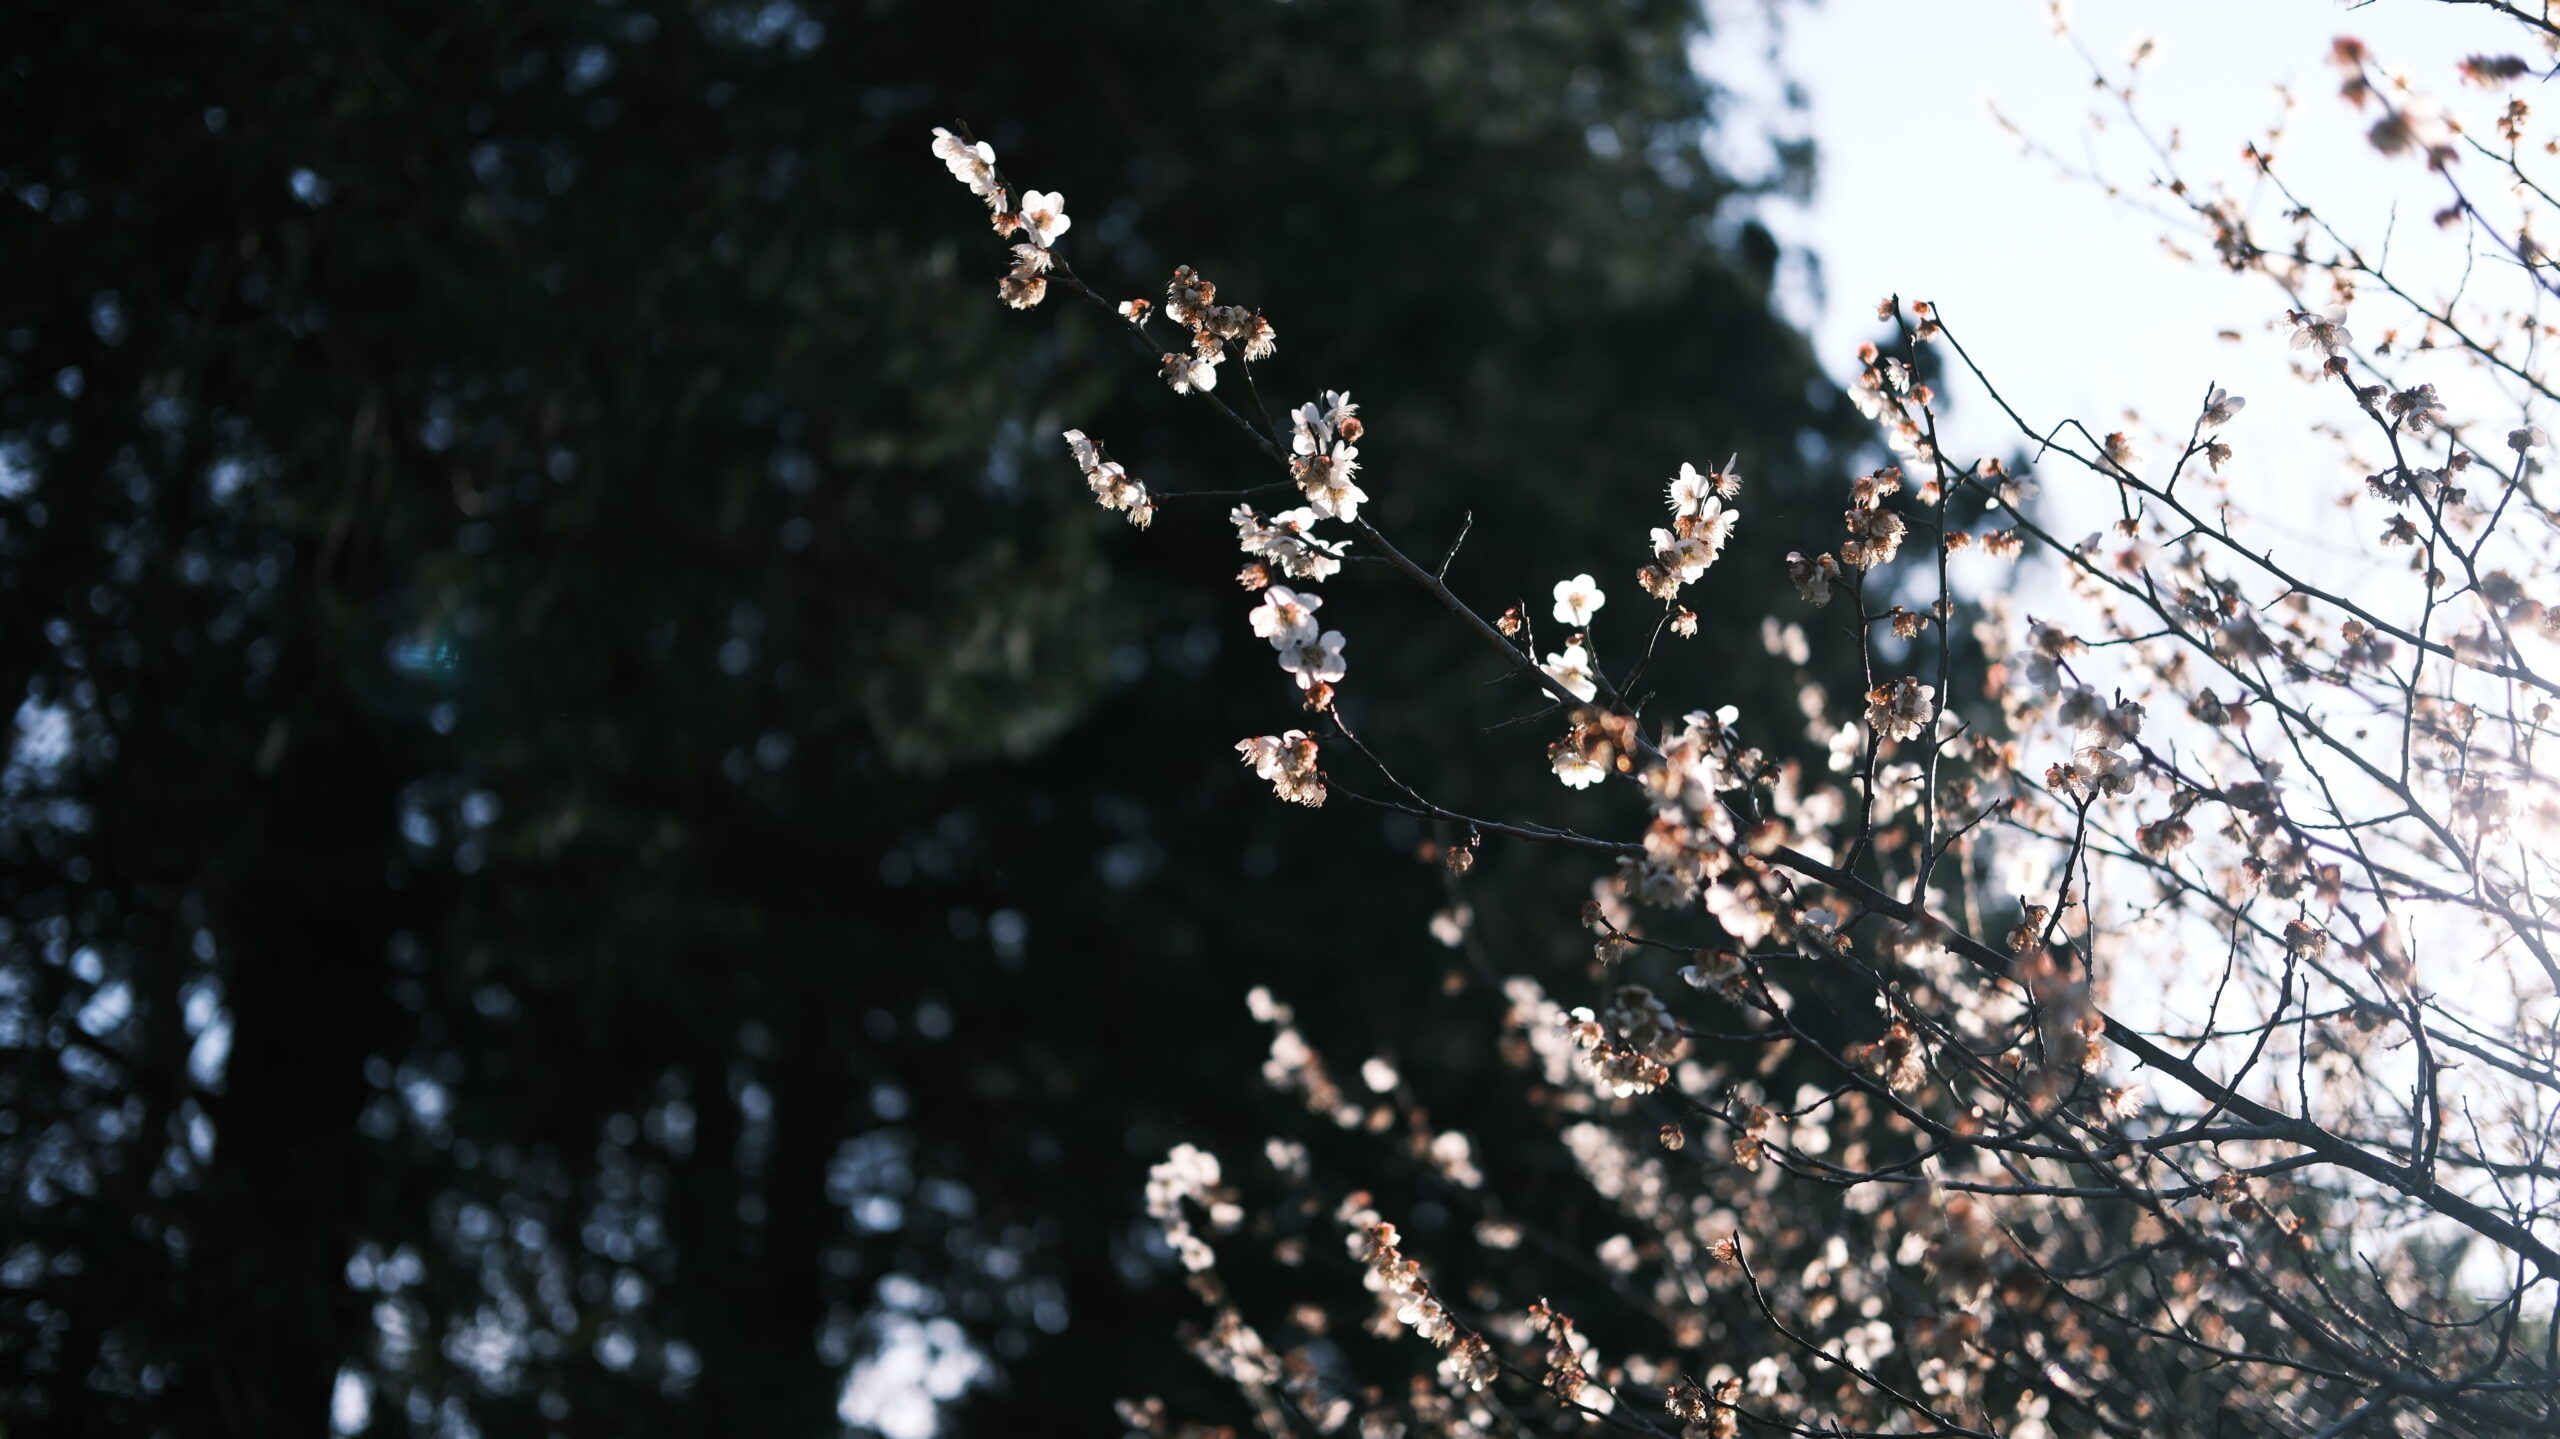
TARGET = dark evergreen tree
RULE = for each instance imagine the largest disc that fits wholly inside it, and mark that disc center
(574, 841)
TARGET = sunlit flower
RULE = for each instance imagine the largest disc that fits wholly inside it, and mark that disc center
(1286, 617)
(1899, 709)
(1189, 372)
(1574, 765)
(2325, 333)
(1690, 491)
(971, 165)
(1314, 659)
(1577, 600)
(1044, 216)
(1572, 669)
(1288, 761)
(1113, 487)
(1285, 540)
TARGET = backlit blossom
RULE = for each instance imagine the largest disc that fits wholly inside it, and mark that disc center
(1113, 487)
(1023, 288)
(2325, 333)
(1813, 577)
(1875, 537)
(1286, 617)
(1572, 669)
(1690, 491)
(1574, 765)
(1899, 709)
(1044, 216)
(971, 165)
(1577, 600)
(1326, 482)
(1285, 540)
(1314, 659)
(1323, 458)
(1188, 296)
(1288, 761)
(1189, 372)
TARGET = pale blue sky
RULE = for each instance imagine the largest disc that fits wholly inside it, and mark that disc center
(2068, 294)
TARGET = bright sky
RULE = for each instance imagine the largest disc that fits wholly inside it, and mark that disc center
(2067, 296)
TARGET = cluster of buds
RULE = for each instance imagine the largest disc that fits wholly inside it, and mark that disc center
(1705, 1413)
(1113, 487)
(1623, 1060)
(1896, 1057)
(1700, 527)
(1599, 741)
(1216, 331)
(1886, 393)
(1751, 1137)
(1405, 1298)
(1568, 1377)
(1041, 217)
(1875, 533)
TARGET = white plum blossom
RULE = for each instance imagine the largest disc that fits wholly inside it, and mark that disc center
(1572, 669)
(1323, 458)
(1286, 617)
(1315, 659)
(1112, 486)
(1685, 556)
(2325, 333)
(1191, 1174)
(1189, 372)
(1044, 216)
(1577, 600)
(1573, 765)
(1700, 526)
(1288, 761)
(1690, 491)
(1899, 709)
(1326, 481)
(1284, 540)
(1715, 526)
(971, 165)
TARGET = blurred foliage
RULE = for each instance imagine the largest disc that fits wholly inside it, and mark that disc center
(595, 824)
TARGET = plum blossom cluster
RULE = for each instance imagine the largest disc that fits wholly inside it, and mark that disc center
(1189, 1178)
(1288, 762)
(1311, 655)
(1217, 331)
(2105, 997)
(1323, 459)
(1284, 542)
(1113, 487)
(1405, 1298)
(1700, 528)
(1040, 218)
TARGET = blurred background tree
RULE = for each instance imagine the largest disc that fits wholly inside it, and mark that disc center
(571, 858)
